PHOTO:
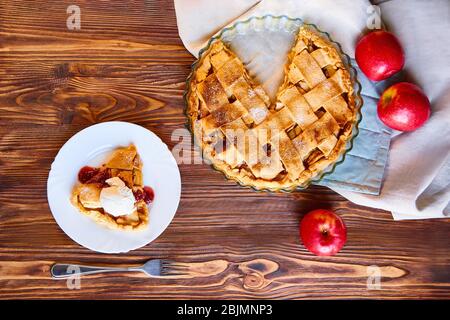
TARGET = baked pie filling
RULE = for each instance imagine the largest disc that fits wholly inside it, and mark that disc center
(114, 195)
(277, 145)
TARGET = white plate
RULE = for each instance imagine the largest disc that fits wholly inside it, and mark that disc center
(90, 147)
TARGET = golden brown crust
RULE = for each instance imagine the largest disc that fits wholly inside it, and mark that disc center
(125, 164)
(304, 132)
(135, 221)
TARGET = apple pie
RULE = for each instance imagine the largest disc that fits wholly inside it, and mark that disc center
(114, 195)
(280, 145)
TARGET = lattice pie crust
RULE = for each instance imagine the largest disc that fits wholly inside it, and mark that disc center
(273, 146)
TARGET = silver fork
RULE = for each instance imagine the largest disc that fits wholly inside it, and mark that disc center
(152, 268)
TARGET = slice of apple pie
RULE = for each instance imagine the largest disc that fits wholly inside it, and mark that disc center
(114, 195)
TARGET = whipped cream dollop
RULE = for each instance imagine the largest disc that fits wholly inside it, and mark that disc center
(117, 199)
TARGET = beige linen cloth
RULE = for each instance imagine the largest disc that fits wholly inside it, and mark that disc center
(416, 182)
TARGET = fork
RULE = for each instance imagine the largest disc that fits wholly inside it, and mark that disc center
(153, 268)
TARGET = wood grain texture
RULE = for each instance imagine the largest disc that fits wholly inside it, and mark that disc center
(128, 63)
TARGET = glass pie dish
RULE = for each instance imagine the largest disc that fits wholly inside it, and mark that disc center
(263, 44)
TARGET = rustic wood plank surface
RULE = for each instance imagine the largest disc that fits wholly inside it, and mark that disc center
(128, 63)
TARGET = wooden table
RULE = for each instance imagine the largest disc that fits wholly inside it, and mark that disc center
(128, 63)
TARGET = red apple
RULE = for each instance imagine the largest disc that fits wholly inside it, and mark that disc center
(403, 107)
(323, 232)
(379, 55)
